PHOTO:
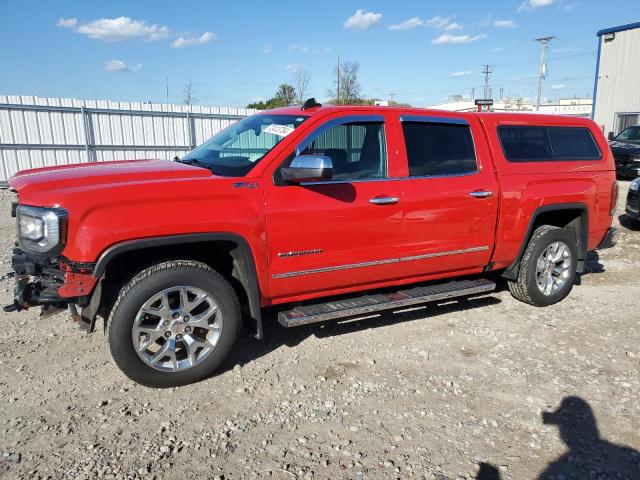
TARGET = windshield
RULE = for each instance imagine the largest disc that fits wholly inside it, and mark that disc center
(631, 134)
(234, 151)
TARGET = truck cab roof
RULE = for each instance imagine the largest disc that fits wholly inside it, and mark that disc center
(493, 117)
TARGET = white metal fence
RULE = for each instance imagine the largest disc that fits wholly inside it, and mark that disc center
(39, 132)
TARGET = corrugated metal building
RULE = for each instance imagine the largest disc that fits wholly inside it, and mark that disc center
(41, 132)
(616, 102)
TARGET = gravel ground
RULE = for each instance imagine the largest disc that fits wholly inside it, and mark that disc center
(450, 391)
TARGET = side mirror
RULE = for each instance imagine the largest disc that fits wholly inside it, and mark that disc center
(611, 136)
(308, 168)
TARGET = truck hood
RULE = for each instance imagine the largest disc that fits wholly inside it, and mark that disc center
(625, 148)
(49, 183)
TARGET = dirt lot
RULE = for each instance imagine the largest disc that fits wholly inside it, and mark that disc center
(431, 393)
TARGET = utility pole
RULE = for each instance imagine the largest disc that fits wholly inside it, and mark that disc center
(338, 71)
(544, 44)
(486, 71)
(391, 98)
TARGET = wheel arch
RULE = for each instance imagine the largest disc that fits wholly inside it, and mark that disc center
(572, 216)
(242, 267)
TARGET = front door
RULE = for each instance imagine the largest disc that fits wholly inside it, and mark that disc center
(450, 197)
(339, 234)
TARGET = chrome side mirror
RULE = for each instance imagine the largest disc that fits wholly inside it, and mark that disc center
(308, 168)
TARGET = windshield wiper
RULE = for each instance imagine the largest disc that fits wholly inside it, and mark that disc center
(193, 161)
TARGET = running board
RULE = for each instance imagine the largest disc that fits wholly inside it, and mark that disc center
(366, 304)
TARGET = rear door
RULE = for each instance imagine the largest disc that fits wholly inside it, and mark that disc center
(450, 196)
(338, 234)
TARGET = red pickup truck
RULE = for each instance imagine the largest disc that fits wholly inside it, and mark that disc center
(317, 212)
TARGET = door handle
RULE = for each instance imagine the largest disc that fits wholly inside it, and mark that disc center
(384, 200)
(481, 193)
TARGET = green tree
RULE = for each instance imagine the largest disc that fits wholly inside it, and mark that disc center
(284, 97)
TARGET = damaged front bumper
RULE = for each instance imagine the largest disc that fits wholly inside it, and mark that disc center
(54, 284)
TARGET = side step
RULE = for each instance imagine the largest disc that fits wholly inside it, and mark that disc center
(350, 307)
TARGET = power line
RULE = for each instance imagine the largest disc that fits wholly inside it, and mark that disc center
(544, 44)
(486, 71)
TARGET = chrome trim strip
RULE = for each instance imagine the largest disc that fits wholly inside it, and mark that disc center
(333, 269)
(442, 254)
(388, 179)
(377, 262)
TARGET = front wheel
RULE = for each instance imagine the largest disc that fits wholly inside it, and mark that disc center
(548, 267)
(173, 324)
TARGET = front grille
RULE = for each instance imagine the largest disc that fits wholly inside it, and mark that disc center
(622, 159)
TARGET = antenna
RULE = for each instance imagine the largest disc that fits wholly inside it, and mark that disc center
(542, 74)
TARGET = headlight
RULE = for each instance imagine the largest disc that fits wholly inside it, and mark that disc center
(41, 230)
(635, 185)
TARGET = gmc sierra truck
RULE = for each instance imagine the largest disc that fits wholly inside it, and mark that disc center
(317, 212)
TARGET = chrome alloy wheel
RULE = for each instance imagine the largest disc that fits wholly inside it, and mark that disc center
(177, 328)
(553, 268)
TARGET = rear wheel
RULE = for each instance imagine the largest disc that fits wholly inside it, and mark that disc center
(173, 324)
(547, 268)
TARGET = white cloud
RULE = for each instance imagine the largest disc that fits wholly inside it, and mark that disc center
(530, 5)
(321, 51)
(299, 48)
(453, 26)
(437, 22)
(267, 49)
(463, 73)
(434, 22)
(120, 66)
(361, 20)
(447, 39)
(117, 29)
(292, 67)
(497, 50)
(505, 24)
(558, 86)
(408, 24)
(206, 37)
(67, 22)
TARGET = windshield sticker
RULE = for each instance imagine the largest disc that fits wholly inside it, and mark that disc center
(279, 130)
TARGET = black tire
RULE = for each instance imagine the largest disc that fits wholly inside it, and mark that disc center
(148, 283)
(525, 288)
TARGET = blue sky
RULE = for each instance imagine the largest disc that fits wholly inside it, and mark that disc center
(236, 52)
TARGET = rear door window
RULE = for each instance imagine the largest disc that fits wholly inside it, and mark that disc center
(547, 144)
(439, 149)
